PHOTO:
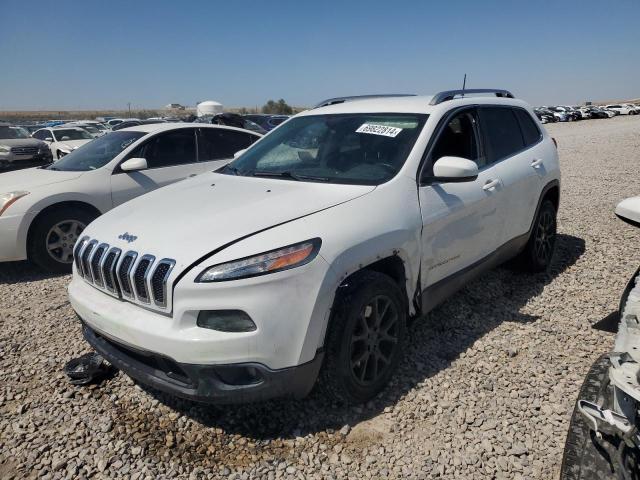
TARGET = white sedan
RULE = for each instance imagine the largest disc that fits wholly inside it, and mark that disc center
(44, 210)
(63, 140)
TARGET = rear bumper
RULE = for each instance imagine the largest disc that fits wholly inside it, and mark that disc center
(232, 383)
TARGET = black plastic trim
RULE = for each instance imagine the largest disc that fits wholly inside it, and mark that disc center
(204, 383)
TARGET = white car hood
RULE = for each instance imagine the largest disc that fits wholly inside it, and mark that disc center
(190, 219)
(31, 178)
(629, 209)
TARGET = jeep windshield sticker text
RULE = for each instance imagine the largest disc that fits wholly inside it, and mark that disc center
(379, 130)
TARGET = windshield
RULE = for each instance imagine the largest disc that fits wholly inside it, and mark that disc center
(90, 128)
(97, 153)
(13, 132)
(71, 134)
(366, 149)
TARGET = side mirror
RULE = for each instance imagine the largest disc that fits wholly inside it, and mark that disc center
(628, 210)
(134, 165)
(48, 139)
(454, 169)
(239, 152)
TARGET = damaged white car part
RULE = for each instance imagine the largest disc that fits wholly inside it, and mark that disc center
(615, 427)
(304, 258)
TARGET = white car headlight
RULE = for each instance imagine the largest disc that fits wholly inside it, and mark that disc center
(268, 262)
(4, 149)
(7, 199)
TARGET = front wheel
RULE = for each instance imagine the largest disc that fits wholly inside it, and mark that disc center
(53, 237)
(366, 337)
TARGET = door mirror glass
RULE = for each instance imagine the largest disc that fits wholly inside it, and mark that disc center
(239, 152)
(454, 169)
(134, 165)
(48, 139)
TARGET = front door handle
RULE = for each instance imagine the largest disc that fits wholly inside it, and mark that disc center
(536, 162)
(490, 185)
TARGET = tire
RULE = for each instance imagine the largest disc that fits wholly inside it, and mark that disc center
(62, 227)
(583, 457)
(538, 253)
(360, 359)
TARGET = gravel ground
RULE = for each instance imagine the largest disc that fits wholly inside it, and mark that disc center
(486, 388)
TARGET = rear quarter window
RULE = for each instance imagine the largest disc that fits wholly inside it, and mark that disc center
(530, 131)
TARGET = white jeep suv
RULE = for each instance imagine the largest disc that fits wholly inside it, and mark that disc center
(306, 256)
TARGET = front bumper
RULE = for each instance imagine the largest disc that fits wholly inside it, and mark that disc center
(17, 162)
(237, 383)
(13, 236)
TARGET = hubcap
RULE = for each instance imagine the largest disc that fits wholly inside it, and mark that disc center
(374, 339)
(545, 237)
(61, 239)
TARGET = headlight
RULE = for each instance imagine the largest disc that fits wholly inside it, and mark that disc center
(4, 149)
(268, 262)
(7, 199)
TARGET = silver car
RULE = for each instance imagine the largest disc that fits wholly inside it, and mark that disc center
(18, 150)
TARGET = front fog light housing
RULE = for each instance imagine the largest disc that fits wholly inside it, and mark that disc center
(272, 261)
(226, 321)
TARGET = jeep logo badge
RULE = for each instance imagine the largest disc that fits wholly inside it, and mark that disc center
(127, 237)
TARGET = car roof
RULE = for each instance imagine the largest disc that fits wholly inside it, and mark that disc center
(408, 104)
(161, 127)
(62, 127)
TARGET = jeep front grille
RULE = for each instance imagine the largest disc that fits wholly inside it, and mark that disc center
(128, 276)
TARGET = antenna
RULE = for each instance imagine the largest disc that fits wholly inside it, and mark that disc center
(464, 84)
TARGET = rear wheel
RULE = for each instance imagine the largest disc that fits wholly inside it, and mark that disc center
(365, 339)
(53, 237)
(538, 253)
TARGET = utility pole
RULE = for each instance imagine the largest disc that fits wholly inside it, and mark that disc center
(129, 106)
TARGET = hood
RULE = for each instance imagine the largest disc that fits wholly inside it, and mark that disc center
(629, 210)
(190, 219)
(31, 178)
(72, 144)
(21, 142)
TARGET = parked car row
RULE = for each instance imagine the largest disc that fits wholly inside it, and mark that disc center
(55, 139)
(564, 113)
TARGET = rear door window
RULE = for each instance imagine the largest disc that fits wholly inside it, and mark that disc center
(530, 131)
(501, 131)
(219, 143)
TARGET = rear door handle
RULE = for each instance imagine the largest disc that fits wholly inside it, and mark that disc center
(491, 185)
(536, 162)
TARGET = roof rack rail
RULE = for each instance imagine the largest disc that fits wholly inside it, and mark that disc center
(333, 101)
(451, 94)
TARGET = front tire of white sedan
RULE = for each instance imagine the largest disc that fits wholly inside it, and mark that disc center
(54, 235)
(366, 337)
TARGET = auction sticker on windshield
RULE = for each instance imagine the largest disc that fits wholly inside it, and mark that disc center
(379, 130)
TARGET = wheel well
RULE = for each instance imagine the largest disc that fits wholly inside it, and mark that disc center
(392, 267)
(553, 194)
(56, 206)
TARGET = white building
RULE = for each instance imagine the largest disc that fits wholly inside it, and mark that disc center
(208, 107)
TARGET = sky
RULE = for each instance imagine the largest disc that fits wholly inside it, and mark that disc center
(67, 55)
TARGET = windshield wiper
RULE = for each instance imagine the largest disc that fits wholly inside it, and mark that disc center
(289, 175)
(228, 168)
